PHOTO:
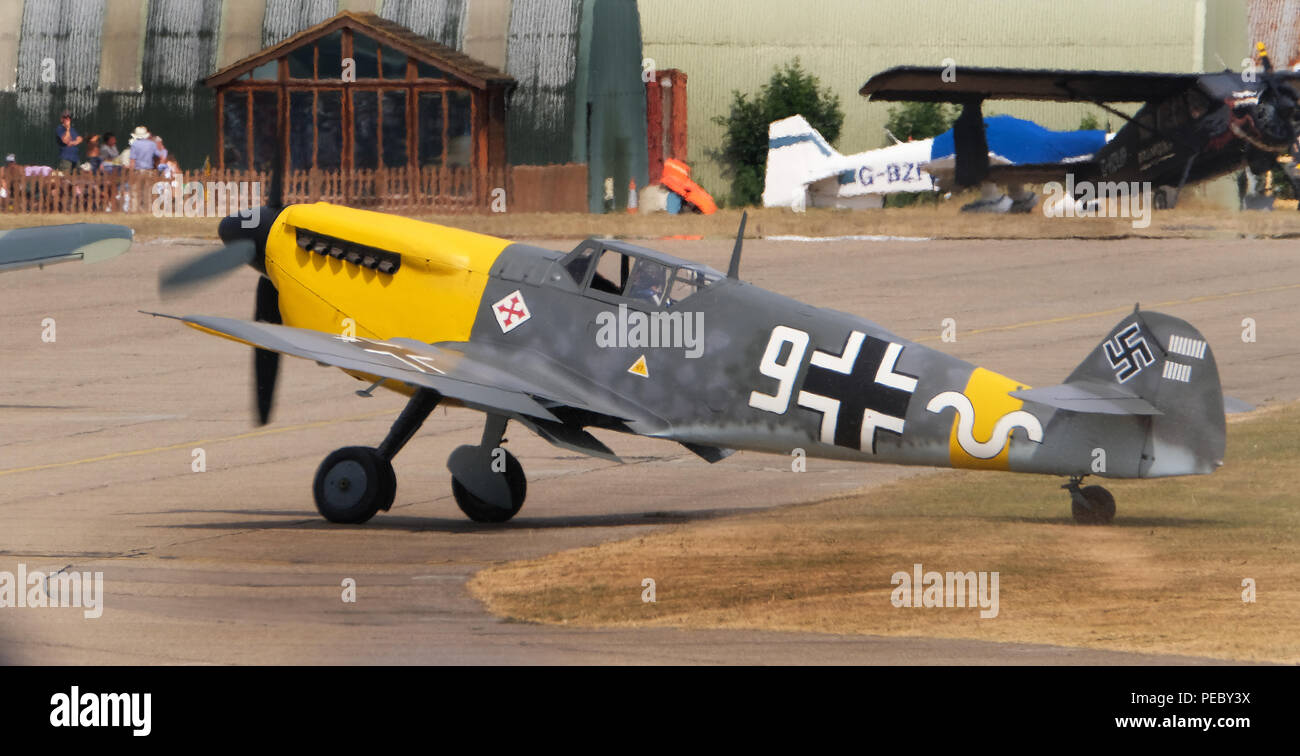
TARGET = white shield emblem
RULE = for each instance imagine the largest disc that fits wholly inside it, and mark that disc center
(511, 311)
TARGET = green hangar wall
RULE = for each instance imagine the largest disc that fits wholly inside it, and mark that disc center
(727, 45)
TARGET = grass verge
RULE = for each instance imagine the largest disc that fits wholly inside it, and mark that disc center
(1166, 577)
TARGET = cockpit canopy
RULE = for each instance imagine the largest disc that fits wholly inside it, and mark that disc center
(613, 271)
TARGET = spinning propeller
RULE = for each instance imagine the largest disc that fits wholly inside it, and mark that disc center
(244, 244)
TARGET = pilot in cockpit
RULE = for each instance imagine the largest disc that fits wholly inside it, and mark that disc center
(648, 282)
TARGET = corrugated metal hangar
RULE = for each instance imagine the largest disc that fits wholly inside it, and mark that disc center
(578, 93)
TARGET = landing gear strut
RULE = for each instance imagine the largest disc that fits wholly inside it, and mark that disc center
(487, 481)
(1090, 505)
(355, 482)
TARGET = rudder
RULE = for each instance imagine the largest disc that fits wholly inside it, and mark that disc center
(1166, 362)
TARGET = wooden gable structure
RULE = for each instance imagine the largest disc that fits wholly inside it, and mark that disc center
(361, 93)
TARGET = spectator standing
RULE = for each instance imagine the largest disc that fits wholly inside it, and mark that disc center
(108, 151)
(93, 153)
(68, 139)
(9, 175)
(162, 155)
(144, 150)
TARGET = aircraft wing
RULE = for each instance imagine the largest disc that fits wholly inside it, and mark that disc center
(461, 371)
(47, 245)
(1010, 175)
(927, 84)
(1034, 173)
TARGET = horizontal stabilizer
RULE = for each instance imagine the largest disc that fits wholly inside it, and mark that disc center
(1090, 397)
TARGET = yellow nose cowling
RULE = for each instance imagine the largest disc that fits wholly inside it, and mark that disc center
(433, 296)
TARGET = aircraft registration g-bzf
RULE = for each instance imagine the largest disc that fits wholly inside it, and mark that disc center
(449, 316)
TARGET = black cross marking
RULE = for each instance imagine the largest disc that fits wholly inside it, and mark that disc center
(857, 392)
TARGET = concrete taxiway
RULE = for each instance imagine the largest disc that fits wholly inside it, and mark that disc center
(99, 427)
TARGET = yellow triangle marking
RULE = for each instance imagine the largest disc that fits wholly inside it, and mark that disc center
(639, 368)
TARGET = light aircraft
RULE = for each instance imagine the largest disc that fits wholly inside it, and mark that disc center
(527, 335)
(804, 170)
(1192, 127)
(38, 246)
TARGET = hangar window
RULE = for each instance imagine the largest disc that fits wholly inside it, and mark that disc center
(329, 56)
(413, 105)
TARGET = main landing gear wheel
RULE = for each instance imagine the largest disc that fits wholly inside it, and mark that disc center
(479, 510)
(1090, 505)
(353, 483)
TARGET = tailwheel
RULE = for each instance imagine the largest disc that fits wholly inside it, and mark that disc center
(1090, 505)
(353, 483)
(484, 494)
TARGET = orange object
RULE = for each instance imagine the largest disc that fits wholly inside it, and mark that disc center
(631, 196)
(677, 177)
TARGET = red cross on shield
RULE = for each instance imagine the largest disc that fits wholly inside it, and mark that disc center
(511, 311)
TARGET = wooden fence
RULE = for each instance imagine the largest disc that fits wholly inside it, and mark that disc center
(196, 194)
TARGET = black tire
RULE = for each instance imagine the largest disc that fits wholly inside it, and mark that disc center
(480, 511)
(1099, 508)
(389, 478)
(352, 484)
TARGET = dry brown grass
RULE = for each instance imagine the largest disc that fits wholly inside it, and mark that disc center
(1164, 578)
(1193, 218)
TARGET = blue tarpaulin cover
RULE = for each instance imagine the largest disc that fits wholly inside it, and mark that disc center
(1024, 142)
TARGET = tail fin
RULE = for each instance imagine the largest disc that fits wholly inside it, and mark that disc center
(1167, 363)
(1160, 369)
(796, 156)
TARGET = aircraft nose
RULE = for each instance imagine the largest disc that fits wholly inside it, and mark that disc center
(255, 226)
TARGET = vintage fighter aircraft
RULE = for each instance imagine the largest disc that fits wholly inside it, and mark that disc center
(519, 333)
(39, 246)
(1193, 127)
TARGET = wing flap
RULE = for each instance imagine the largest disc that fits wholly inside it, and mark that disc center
(572, 438)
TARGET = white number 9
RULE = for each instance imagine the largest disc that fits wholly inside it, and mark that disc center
(783, 372)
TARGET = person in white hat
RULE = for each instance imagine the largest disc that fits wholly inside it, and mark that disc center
(144, 150)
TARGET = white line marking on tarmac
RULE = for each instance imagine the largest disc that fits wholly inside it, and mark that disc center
(874, 238)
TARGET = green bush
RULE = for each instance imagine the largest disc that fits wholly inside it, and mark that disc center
(1089, 122)
(791, 91)
(919, 120)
